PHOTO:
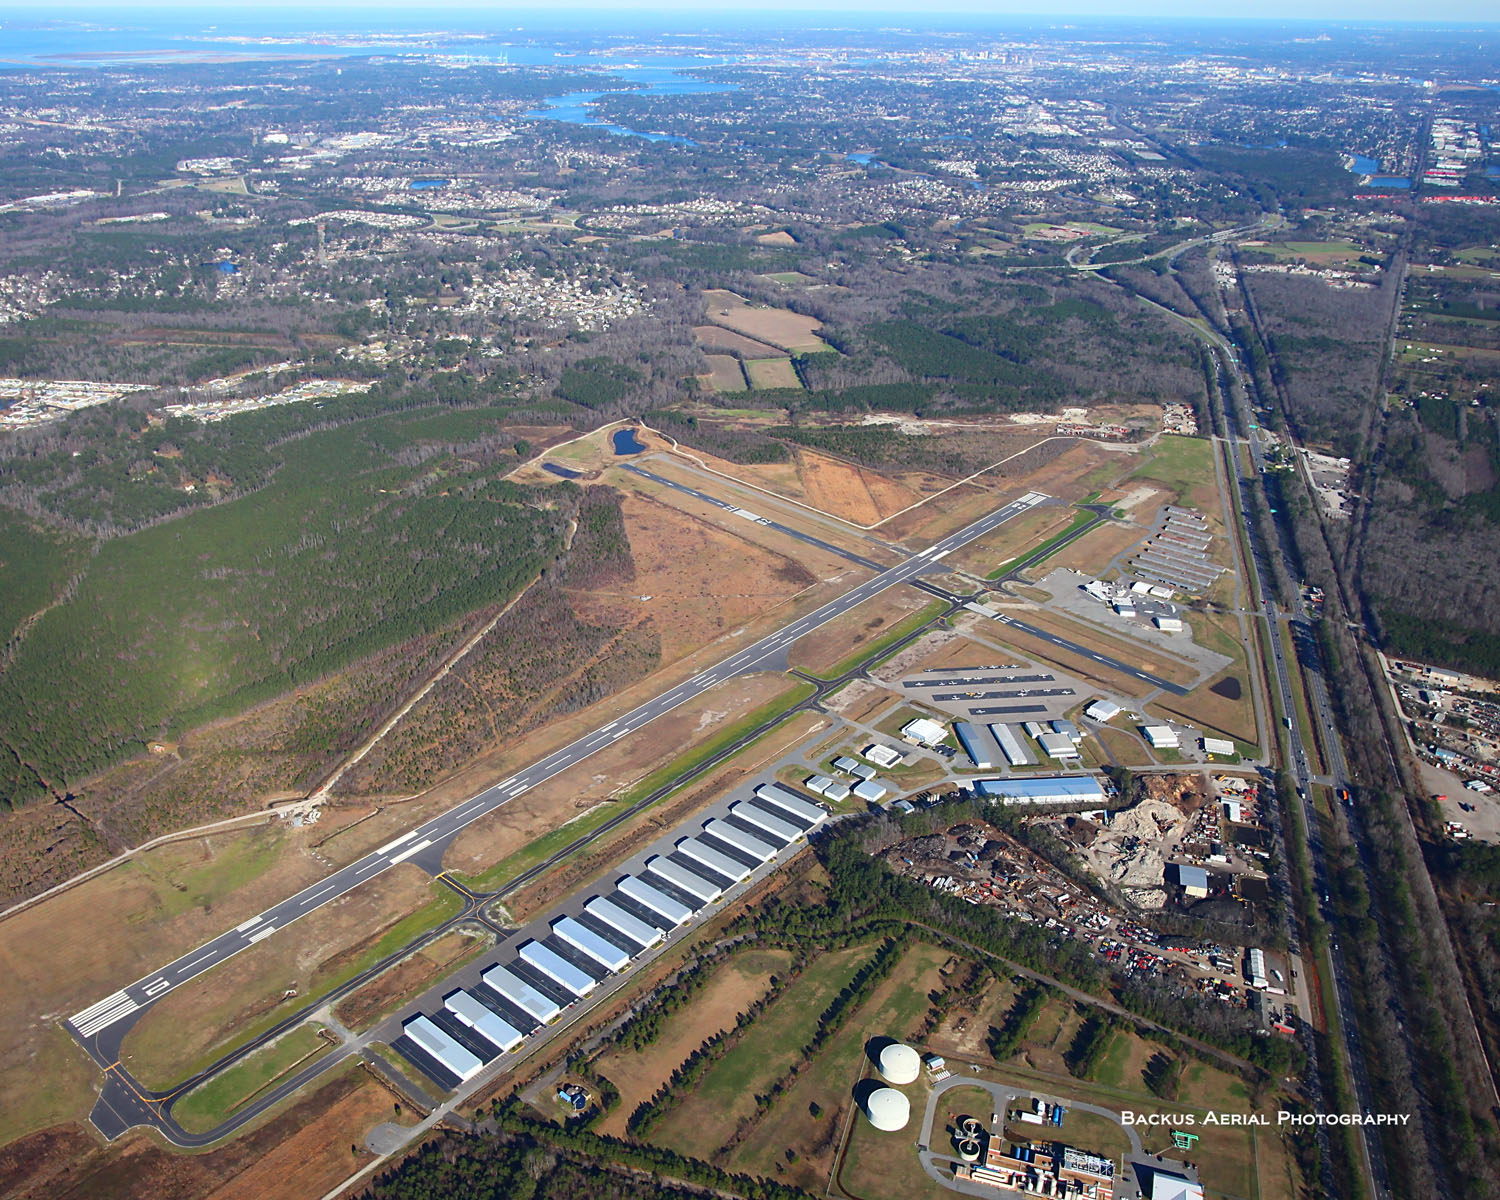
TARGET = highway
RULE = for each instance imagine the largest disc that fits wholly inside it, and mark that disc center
(101, 1026)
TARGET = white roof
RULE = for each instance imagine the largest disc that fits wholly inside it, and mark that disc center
(884, 756)
(868, 789)
(1102, 710)
(899, 1063)
(924, 730)
(888, 1109)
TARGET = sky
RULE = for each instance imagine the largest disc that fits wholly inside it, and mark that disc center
(697, 13)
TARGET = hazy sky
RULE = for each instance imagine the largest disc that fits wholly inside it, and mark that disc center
(700, 14)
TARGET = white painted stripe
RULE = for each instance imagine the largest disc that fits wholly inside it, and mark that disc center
(405, 854)
(194, 962)
(261, 933)
(244, 925)
(160, 985)
(327, 887)
(108, 1002)
(389, 846)
(370, 866)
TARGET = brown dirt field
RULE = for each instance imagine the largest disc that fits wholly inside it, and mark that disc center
(715, 337)
(219, 1009)
(780, 238)
(940, 648)
(606, 774)
(1093, 551)
(1203, 708)
(830, 643)
(702, 580)
(861, 701)
(725, 373)
(585, 870)
(303, 1152)
(778, 326)
(736, 985)
(820, 562)
(364, 1008)
(967, 1037)
(856, 494)
(772, 373)
(1012, 539)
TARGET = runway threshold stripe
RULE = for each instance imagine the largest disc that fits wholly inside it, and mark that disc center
(94, 1009)
(405, 854)
(259, 934)
(391, 845)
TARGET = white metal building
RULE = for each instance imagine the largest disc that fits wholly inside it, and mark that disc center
(720, 864)
(499, 1033)
(512, 987)
(556, 968)
(443, 1047)
(680, 877)
(624, 923)
(663, 905)
(580, 937)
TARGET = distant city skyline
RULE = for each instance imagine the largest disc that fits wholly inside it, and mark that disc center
(968, 12)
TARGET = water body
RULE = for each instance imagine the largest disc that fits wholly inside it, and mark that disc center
(1362, 165)
(627, 443)
(418, 185)
(577, 108)
(564, 472)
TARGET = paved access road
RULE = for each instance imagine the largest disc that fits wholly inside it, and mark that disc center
(102, 1026)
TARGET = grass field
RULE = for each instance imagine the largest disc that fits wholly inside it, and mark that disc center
(1185, 467)
(725, 373)
(767, 373)
(895, 1009)
(727, 1092)
(211, 1102)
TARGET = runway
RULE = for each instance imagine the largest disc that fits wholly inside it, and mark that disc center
(102, 1026)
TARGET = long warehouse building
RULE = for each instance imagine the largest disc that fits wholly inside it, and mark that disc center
(974, 745)
(808, 813)
(680, 877)
(558, 969)
(761, 818)
(624, 923)
(499, 1033)
(510, 986)
(443, 1047)
(722, 864)
(605, 953)
(1012, 747)
(740, 840)
(666, 907)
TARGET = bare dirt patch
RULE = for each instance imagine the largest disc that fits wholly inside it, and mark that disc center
(778, 326)
(829, 644)
(727, 341)
(860, 700)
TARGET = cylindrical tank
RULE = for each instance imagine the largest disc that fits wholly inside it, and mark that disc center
(899, 1063)
(968, 1150)
(888, 1109)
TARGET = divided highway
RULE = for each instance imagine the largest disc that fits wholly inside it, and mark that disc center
(101, 1027)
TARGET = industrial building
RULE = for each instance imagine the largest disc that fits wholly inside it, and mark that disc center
(844, 763)
(924, 731)
(558, 969)
(871, 790)
(1161, 737)
(883, 756)
(1059, 746)
(837, 791)
(1009, 741)
(818, 784)
(510, 986)
(627, 924)
(500, 1034)
(1220, 746)
(1068, 730)
(1102, 711)
(975, 745)
(1194, 881)
(1042, 789)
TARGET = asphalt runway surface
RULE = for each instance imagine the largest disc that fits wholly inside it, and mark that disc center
(102, 1026)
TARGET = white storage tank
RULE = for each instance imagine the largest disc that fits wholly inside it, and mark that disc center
(899, 1063)
(888, 1110)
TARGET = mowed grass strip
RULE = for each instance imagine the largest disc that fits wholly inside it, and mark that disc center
(702, 1123)
(231, 1089)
